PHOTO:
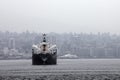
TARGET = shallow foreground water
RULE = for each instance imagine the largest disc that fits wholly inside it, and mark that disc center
(66, 69)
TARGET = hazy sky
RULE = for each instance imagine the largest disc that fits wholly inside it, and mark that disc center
(60, 15)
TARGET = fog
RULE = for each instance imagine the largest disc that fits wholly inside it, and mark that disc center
(60, 16)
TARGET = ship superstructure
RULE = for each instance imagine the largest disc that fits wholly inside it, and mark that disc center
(44, 53)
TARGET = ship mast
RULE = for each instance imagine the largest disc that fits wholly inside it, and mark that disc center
(44, 37)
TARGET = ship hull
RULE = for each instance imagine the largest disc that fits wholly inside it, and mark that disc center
(44, 59)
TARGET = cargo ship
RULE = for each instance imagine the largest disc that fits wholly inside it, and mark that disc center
(44, 53)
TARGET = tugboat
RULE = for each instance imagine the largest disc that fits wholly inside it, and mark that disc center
(44, 53)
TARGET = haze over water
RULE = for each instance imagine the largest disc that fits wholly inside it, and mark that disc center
(60, 15)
